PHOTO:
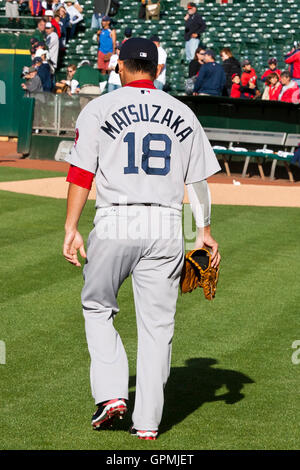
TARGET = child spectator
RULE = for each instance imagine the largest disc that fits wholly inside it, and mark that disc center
(272, 69)
(274, 86)
(248, 77)
(240, 91)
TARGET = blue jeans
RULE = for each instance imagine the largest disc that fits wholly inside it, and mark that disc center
(112, 87)
(96, 21)
(159, 85)
(190, 48)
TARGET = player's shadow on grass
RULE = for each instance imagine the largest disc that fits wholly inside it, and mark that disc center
(191, 386)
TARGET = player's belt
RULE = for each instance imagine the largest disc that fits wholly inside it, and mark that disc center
(140, 204)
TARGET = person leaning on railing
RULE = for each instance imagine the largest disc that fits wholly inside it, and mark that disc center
(68, 85)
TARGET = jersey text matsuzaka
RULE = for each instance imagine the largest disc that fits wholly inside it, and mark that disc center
(133, 114)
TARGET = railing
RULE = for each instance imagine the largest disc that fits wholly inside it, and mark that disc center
(20, 23)
(58, 113)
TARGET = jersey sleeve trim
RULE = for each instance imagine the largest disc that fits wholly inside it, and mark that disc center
(80, 177)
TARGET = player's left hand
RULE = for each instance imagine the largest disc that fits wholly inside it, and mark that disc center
(207, 241)
(73, 242)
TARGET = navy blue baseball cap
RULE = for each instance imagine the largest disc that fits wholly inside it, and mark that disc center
(139, 48)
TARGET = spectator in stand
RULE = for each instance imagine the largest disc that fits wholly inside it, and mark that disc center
(162, 63)
(194, 26)
(289, 92)
(55, 5)
(75, 17)
(49, 17)
(107, 43)
(211, 78)
(90, 81)
(114, 81)
(127, 34)
(272, 69)
(33, 82)
(44, 72)
(101, 8)
(142, 10)
(197, 62)
(240, 91)
(46, 5)
(69, 85)
(40, 33)
(231, 67)
(52, 44)
(64, 20)
(35, 7)
(12, 10)
(273, 87)
(293, 59)
(249, 76)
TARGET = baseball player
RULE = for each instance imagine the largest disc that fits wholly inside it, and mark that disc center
(141, 145)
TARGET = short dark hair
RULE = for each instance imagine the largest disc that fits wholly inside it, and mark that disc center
(286, 74)
(140, 65)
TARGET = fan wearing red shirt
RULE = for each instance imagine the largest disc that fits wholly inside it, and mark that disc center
(272, 69)
(239, 91)
(290, 92)
(248, 75)
(274, 87)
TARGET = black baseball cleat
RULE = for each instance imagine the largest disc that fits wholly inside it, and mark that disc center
(107, 411)
(146, 435)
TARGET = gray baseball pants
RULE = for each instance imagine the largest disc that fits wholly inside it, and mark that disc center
(146, 242)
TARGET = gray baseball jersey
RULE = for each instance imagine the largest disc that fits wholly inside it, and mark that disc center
(142, 144)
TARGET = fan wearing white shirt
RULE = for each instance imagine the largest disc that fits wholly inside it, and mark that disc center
(162, 60)
(114, 81)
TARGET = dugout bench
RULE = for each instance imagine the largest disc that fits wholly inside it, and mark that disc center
(233, 137)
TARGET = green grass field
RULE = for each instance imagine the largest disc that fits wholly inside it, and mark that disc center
(16, 174)
(232, 385)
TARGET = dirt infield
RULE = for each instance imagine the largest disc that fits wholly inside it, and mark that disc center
(254, 195)
(225, 190)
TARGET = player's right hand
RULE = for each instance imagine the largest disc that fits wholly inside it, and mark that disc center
(72, 243)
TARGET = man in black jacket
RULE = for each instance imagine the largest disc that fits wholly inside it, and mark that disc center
(194, 26)
(231, 66)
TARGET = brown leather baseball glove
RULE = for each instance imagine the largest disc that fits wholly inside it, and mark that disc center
(198, 272)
